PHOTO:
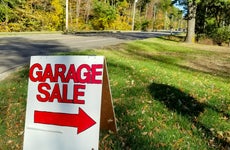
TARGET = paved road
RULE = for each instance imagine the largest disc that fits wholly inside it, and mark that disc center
(15, 50)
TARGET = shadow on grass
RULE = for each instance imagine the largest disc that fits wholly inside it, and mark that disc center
(175, 57)
(176, 100)
(183, 104)
(174, 38)
(132, 133)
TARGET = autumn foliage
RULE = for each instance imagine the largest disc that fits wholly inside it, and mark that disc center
(49, 15)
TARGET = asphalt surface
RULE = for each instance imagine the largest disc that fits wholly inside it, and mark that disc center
(16, 50)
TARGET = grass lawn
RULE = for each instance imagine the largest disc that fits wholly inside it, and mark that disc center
(167, 95)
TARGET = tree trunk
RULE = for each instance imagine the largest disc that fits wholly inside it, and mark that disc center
(190, 37)
(87, 12)
(78, 7)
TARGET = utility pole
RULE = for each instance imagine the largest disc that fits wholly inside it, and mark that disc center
(66, 15)
(134, 11)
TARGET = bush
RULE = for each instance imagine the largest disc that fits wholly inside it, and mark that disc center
(144, 25)
(103, 15)
(15, 27)
(221, 35)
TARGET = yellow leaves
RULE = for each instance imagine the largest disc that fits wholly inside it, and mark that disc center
(106, 142)
(225, 118)
(224, 135)
(220, 134)
(12, 145)
(140, 124)
(144, 109)
(14, 122)
(121, 23)
(144, 133)
(228, 139)
(176, 145)
(58, 8)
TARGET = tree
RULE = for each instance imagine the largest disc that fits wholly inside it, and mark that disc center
(213, 19)
(191, 8)
(6, 6)
(36, 15)
(103, 15)
(164, 6)
(123, 17)
(191, 17)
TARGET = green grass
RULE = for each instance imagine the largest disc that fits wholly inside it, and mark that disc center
(167, 95)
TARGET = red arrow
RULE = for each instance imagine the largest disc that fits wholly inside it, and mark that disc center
(81, 120)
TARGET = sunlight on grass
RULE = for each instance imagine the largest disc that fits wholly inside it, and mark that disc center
(165, 97)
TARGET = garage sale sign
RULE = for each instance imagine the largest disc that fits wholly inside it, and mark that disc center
(64, 102)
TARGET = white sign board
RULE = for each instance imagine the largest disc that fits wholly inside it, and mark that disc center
(64, 103)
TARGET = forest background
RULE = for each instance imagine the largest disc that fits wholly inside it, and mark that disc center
(37, 15)
(212, 16)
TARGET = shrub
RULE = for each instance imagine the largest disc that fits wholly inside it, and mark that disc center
(103, 15)
(221, 35)
(144, 25)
